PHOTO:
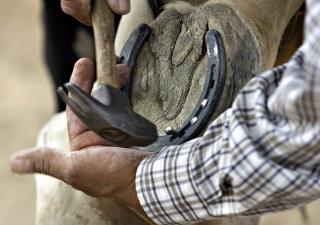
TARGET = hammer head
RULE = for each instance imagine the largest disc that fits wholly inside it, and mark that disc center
(111, 117)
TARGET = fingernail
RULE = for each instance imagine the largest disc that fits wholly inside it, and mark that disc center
(21, 166)
(124, 6)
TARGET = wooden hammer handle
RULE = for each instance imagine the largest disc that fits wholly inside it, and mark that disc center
(104, 35)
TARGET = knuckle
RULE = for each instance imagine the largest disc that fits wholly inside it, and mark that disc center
(79, 9)
(67, 7)
(43, 163)
(72, 172)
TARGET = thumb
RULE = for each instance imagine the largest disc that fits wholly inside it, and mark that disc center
(40, 160)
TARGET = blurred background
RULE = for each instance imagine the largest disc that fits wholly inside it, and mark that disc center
(27, 102)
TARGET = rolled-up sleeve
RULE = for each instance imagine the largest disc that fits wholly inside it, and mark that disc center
(261, 155)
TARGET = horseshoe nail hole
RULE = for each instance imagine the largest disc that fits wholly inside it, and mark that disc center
(212, 82)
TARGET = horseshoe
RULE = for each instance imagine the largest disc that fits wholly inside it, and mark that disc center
(211, 94)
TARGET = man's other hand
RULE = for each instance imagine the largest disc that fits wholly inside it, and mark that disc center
(81, 9)
(92, 166)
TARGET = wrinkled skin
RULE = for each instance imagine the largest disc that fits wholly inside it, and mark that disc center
(58, 203)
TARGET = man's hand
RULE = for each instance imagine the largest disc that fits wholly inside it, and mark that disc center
(81, 9)
(83, 76)
(98, 171)
(92, 166)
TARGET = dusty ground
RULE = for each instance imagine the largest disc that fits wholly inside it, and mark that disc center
(26, 102)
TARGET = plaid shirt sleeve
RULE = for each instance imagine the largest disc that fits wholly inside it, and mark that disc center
(261, 155)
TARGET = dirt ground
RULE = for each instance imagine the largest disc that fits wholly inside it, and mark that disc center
(26, 102)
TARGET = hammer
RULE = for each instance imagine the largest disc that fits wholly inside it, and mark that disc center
(108, 112)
